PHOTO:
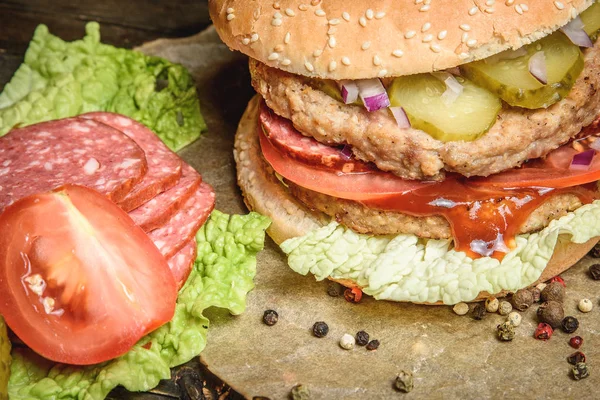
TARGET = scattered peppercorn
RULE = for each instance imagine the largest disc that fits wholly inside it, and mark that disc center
(595, 252)
(559, 280)
(553, 292)
(491, 304)
(320, 329)
(300, 392)
(373, 344)
(536, 294)
(362, 338)
(576, 342)
(461, 308)
(506, 331)
(404, 381)
(334, 289)
(569, 324)
(543, 331)
(514, 318)
(347, 342)
(552, 313)
(353, 295)
(504, 308)
(478, 312)
(580, 371)
(595, 271)
(270, 317)
(576, 358)
(522, 299)
(585, 305)
(541, 286)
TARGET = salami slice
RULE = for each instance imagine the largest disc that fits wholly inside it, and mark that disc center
(182, 262)
(164, 166)
(43, 156)
(156, 212)
(182, 227)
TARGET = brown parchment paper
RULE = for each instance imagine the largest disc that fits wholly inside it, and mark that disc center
(450, 356)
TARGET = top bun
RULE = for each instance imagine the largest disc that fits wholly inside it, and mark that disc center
(352, 39)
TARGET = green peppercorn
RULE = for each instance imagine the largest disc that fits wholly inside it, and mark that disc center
(580, 371)
(362, 338)
(404, 381)
(569, 324)
(506, 331)
(551, 312)
(300, 392)
(595, 271)
(478, 312)
(270, 317)
(522, 299)
(554, 291)
(373, 344)
(320, 329)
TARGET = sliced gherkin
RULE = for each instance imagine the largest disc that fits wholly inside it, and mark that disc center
(591, 20)
(466, 117)
(507, 74)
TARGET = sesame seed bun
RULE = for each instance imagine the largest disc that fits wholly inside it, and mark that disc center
(265, 194)
(341, 39)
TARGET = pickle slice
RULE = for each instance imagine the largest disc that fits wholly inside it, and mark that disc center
(466, 118)
(507, 74)
(591, 20)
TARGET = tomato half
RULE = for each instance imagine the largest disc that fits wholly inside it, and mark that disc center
(79, 282)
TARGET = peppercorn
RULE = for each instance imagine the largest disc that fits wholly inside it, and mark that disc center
(569, 324)
(353, 295)
(585, 305)
(334, 289)
(404, 381)
(576, 342)
(553, 292)
(300, 392)
(320, 329)
(270, 317)
(373, 344)
(536, 294)
(551, 312)
(595, 271)
(543, 331)
(504, 308)
(595, 252)
(522, 299)
(362, 338)
(478, 312)
(491, 304)
(514, 318)
(541, 286)
(580, 371)
(576, 358)
(347, 342)
(461, 308)
(506, 331)
(559, 280)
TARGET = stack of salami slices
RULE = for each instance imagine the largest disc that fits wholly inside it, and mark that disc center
(122, 159)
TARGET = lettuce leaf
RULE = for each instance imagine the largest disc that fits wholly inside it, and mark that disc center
(222, 276)
(61, 79)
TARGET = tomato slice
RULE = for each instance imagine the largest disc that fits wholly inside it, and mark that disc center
(333, 182)
(80, 282)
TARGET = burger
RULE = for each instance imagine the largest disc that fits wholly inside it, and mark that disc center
(422, 151)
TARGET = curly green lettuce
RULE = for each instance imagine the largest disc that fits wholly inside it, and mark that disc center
(222, 276)
(61, 79)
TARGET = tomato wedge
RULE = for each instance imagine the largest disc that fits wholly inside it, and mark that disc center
(80, 283)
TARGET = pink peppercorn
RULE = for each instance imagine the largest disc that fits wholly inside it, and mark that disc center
(576, 342)
(543, 331)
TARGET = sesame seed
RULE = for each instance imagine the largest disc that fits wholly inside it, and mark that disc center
(410, 34)
(435, 48)
(376, 60)
(490, 3)
(473, 10)
(463, 56)
(524, 7)
(246, 40)
(518, 9)
(382, 73)
(276, 22)
(334, 21)
(442, 35)
(427, 2)
(302, 7)
(489, 10)
(256, 14)
(315, 2)
(273, 56)
(510, 2)
(309, 66)
(365, 45)
(317, 53)
(276, 5)
(289, 12)
(277, 15)
(418, 1)
(472, 43)
(331, 30)
(369, 14)
(230, 17)
(345, 61)
(332, 66)
(427, 38)
(465, 27)
(286, 40)
(573, 12)
(319, 13)
(559, 5)
(286, 61)
(346, 16)
(380, 15)
(230, 10)
(426, 7)
(426, 26)
(331, 42)
(278, 48)
(362, 21)
(465, 37)
(254, 37)
(397, 53)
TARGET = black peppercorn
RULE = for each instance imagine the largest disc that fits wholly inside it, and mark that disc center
(551, 312)
(478, 312)
(554, 291)
(575, 358)
(320, 329)
(404, 381)
(522, 299)
(334, 289)
(362, 338)
(580, 371)
(270, 317)
(300, 392)
(373, 344)
(569, 324)
(595, 271)
(595, 252)
(536, 293)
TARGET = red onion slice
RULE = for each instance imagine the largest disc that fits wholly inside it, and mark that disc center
(453, 87)
(596, 144)
(401, 117)
(349, 91)
(574, 31)
(373, 94)
(346, 152)
(583, 160)
(537, 67)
